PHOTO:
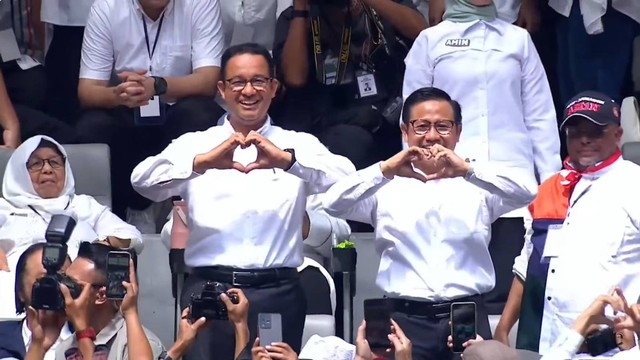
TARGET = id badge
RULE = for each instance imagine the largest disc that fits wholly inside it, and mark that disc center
(151, 114)
(554, 245)
(367, 85)
(330, 70)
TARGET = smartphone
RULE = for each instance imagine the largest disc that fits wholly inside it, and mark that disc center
(269, 328)
(377, 314)
(117, 272)
(463, 324)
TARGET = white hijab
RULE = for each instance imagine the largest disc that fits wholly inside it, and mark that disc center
(17, 188)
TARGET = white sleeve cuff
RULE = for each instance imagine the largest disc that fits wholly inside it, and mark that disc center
(320, 229)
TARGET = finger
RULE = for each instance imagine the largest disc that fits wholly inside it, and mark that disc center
(398, 331)
(200, 323)
(185, 313)
(132, 273)
(68, 300)
(128, 287)
(361, 331)
(86, 289)
(256, 343)
(237, 166)
(397, 343)
(225, 299)
(252, 166)
(435, 176)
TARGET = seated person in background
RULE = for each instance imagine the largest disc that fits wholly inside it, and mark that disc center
(433, 213)
(22, 82)
(345, 100)
(166, 55)
(113, 324)
(37, 184)
(15, 335)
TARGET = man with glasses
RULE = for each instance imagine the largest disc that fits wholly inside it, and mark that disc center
(433, 213)
(165, 58)
(245, 183)
(585, 237)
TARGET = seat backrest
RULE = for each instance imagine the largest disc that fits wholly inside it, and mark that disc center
(630, 120)
(631, 152)
(91, 166)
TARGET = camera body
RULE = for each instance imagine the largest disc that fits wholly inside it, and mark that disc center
(208, 303)
(45, 293)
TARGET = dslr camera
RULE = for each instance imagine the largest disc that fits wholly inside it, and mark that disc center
(209, 305)
(46, 294)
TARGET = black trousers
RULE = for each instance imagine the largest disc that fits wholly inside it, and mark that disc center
(130, 144)
(507, 240)
(62, 67)
(26, 89)
(217, 340)
(428, 335)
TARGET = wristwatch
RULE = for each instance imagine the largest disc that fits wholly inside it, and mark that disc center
(300, 14)
(86, 333)
(159, 85)
(164, 356)
(469, 173)
(293, 158)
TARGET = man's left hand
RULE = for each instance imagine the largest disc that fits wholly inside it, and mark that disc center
(449, 164)
(269, 155)
(281, 351)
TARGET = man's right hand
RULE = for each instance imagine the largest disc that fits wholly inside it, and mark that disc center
(238, 313)
(45, 326)
(436, 12)
(220, 157)
(77, 309)
(401, 163)
(131, 91)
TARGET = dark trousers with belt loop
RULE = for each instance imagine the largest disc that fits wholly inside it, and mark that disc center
(426, 324)
(268, 291)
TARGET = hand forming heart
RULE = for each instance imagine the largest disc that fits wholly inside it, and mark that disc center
(221, 157)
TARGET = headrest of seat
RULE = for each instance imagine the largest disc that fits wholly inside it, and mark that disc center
(631, 152)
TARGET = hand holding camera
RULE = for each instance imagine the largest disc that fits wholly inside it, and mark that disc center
(209, 303)
(45, 327)
(76, 308)
(238, 310)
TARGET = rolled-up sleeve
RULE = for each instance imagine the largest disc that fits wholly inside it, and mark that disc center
(97, 47)
(208, 39)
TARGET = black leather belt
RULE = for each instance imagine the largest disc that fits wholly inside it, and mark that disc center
(434, 310)
(245, 277)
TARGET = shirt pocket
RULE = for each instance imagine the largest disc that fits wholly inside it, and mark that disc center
(179, 60)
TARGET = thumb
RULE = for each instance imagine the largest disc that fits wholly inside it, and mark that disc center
(66, 294)
(32, 315)
(225, 299)
(418, 176)
(200, 323)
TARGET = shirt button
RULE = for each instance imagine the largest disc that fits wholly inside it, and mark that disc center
(549, 298)
(553, 271)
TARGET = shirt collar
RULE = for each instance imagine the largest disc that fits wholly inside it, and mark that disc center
(264, 130)
(167, 10)
(110, 331)
(26, 335)
(495, 25)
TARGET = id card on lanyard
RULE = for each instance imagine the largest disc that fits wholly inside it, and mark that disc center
(153, 113)
(330, 71)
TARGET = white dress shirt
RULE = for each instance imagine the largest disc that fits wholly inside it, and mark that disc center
(592, 11)
(249, 21)
(190, 38)
(433, 237)
(567, 346)
(65, 12)
(65, 333)
(600, 248)
(235, 219)
(493, 70)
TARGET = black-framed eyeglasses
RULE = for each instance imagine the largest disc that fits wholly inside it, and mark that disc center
(259, 83)
(56, 162)
(421, 127)
(590, 133)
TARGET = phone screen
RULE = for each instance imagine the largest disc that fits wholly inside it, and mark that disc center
(463, 324)
(378, 318)
(117, 272)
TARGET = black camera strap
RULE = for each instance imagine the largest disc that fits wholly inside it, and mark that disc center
(343, 58)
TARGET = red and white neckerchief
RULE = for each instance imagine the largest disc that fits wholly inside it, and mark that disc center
(572, 176)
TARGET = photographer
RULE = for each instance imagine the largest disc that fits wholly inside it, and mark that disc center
(15, 335)
(112, 324)
(350, 102)
(237, 316)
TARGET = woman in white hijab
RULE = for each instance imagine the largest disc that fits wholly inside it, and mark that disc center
(37, 184)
